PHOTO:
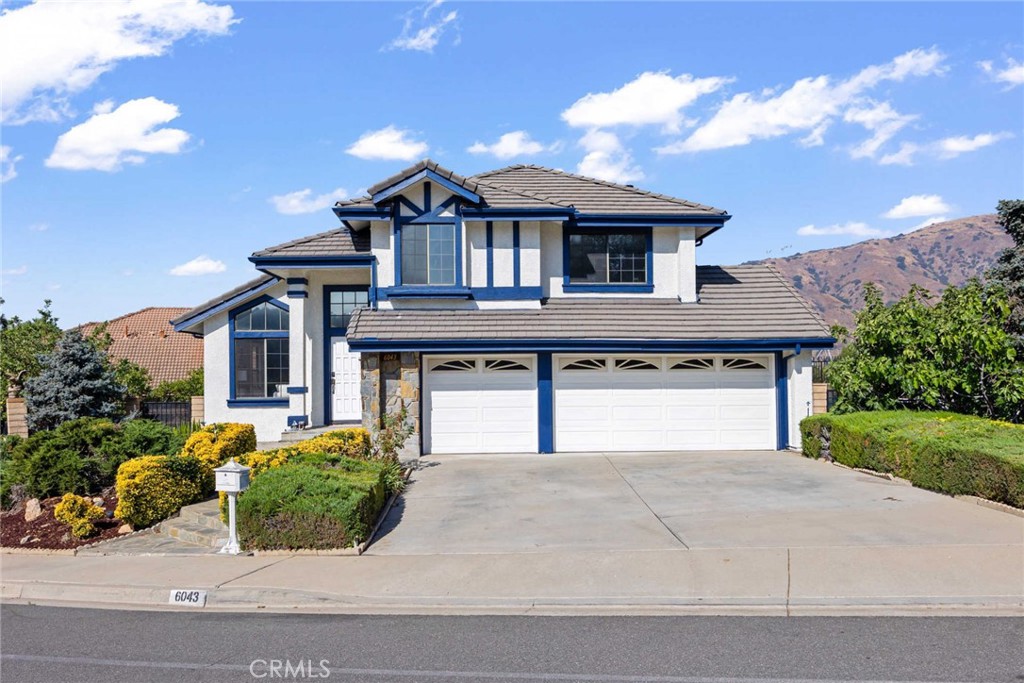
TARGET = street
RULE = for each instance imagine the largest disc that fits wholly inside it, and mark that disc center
(48, 644)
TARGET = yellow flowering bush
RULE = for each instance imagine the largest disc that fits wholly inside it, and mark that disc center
(79, 513)
(154, 487)
(215, 444)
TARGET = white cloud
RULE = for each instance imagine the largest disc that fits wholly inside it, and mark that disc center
(1012, 74)
(515, 144)
(810, 104)
(607, 159)
(388, 143)
(7, 162)
(422, 28)
(882, 120)
(918, 205)
(200, 265)
(946, 148)
(652, 98)
(303, 201)
(850, 228)
(39, 227)
(20, 270)
(114, 137)
(52, 50)
(926, 222)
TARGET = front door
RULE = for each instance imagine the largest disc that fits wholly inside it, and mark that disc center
(345, 400)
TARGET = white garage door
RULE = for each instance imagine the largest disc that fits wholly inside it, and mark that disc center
(663, 403)
(480, 404)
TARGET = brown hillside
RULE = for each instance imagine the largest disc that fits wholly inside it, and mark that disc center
(935, 257)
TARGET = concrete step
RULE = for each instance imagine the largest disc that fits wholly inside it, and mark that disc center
(292, 435)
(198, 524)
(205, 514)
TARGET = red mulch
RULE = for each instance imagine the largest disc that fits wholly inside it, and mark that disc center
(46, 532)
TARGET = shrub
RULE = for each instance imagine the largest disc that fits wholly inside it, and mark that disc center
(215, 444)
(945, 452)
(154, 487)
(78, 513)
(180, 389)
(316, 501)
(352, 442)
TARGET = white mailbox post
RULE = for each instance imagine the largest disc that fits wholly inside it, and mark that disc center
(232, 479)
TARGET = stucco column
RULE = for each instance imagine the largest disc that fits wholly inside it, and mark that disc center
(687, 255)
(298, 385)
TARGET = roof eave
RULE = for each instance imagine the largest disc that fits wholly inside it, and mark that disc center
(386, 193)
(185, 324)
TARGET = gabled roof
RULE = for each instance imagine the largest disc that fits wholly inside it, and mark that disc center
(342, 241)
(748, 303)
(147, 338)
(424, 165)
(242, 292)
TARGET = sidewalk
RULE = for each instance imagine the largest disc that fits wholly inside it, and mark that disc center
(932, 580)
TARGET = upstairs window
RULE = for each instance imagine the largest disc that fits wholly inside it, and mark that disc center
(608, 258)
(428, 255)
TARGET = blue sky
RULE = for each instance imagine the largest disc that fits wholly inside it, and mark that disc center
(148, 148)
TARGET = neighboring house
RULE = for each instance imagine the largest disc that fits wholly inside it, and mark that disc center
(148, 339)
(520, 310)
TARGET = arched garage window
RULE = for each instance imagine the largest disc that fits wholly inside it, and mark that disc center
(259, 341)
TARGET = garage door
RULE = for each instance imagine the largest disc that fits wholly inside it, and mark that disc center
(661, 403)
(480, 404)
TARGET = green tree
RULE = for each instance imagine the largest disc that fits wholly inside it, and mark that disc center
(76, 381)
(133, 377)
(955, 355)
(1008, 270)
(22, 342)
(180, 389)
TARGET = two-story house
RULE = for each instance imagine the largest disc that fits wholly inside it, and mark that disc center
(520, 310)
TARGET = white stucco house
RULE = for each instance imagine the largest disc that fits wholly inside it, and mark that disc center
(520, 310)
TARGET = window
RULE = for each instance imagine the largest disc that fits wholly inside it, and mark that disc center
(456, 365)
(504, 365)
(428, 255)
(608, 258)
(260, 351)
(636, 364)
(694, 364)
(584, 364)
(743, 364)
(343, 304)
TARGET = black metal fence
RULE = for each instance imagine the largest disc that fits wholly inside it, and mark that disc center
(818, 371)
(171, 413)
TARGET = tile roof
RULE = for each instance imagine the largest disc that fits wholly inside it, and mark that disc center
(226, 296)
(736, 302)
(342, 241)
(147, 338)
(425, 164)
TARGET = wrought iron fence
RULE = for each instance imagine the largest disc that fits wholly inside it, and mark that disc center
(171, 413)
(818, 371)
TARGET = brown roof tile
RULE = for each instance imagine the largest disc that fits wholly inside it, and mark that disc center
(342, 241)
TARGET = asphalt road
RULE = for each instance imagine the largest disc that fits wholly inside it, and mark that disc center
(49, 644)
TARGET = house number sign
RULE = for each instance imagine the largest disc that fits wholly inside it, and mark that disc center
(390, 356)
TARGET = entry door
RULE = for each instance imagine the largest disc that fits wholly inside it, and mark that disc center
(345, 401)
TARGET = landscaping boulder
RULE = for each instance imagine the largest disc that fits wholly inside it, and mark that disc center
(33, 509)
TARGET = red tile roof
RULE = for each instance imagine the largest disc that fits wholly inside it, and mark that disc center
(147, 338)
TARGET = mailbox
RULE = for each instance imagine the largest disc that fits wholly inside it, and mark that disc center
(232, 477)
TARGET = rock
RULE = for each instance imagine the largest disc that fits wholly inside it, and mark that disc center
(25, 539)
(124, 529)
(66, 538)
(32, 509)
(97, 501)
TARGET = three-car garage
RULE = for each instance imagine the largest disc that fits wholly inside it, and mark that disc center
(599, 402)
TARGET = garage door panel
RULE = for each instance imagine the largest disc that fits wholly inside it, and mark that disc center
(676, 439)
(740, 413)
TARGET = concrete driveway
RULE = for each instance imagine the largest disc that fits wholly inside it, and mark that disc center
(665, 501)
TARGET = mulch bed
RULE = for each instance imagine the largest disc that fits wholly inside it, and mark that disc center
(45, 532)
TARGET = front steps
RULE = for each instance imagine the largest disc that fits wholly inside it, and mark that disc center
(293, 435)
(197, 524)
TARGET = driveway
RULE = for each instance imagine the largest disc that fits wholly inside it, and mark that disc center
(636, 502)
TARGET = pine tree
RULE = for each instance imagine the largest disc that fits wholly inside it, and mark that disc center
(1008, 270)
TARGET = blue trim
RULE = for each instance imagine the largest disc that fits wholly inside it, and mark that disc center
(408, 203)
(256, 302)
(257, 403)
(214, 310)
(513, 214)
(506, 293)
(233, 334)
(607, 287)
(411, 180)
(615, 288)
(298, 420)
(490, 254)
(373, 285)
(360, 261)
(426, 197)
(297, 390)
(297, 294)
(781, 403)
(434, 217)
(275, 334)
(329, 334)
(515, 253)
(357, 213)
(589, 345)
(459, 260)
(545, 405)
(424, 292)
(396, 232)
(297, 281)
(624, 219)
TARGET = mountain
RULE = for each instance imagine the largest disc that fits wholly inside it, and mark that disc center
(935, 257)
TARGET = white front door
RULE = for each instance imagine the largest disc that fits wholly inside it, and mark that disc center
(345, 400)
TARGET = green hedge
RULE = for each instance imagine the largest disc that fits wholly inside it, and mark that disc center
(315, 501)
(945, 452)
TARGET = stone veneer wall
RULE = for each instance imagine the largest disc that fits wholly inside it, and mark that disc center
(389, 381)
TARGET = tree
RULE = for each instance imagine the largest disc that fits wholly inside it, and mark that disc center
(22, 342)
(180, 389)
(136, 379)
(1008, 270)
(955, 355)
(76, 381)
